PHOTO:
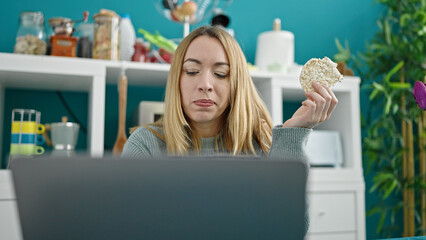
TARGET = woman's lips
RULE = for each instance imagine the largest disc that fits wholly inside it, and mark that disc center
(204, 103)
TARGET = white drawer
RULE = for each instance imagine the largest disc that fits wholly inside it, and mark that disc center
(336, 236)
(9, 221)
(332, 212)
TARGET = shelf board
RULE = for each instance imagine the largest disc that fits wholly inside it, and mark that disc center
(143, 74)
(47, 72)
(44, 72)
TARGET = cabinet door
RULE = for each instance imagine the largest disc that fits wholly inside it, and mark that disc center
(332, 212)
(9, 221)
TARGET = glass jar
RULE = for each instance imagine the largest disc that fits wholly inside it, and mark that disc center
(85, 41)
(31, 35)
(106, 36)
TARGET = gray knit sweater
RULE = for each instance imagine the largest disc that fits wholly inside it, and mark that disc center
(286, 143)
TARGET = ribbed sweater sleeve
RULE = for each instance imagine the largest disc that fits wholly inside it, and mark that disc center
(290, 143)
(143, 143)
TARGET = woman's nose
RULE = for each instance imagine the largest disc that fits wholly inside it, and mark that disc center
(205, 83)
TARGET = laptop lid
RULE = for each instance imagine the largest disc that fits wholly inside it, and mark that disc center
(167, 198)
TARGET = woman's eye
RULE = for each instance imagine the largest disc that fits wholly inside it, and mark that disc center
(191, 72)
(221, 75)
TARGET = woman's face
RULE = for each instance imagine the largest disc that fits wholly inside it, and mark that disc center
(204, 82)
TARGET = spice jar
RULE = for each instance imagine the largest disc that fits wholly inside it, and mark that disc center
(31, 35)
(106, 35)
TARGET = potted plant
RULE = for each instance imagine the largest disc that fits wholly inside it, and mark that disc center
(394, 127)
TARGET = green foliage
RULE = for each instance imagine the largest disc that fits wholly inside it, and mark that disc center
(397, 52)
(344, 54)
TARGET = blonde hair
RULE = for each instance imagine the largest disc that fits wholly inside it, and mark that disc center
(246, 118)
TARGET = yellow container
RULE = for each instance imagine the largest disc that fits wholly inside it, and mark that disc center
(26, 149)
(27, 127)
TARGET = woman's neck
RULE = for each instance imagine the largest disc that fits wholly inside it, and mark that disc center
(207, 130)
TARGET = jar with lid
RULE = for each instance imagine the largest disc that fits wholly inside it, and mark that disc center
(106, 35)
(31, 35)
(85, 42)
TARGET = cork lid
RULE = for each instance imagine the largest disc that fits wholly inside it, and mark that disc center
(106, 13)
(277, 24)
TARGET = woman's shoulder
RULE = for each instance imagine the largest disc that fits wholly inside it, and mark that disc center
(148, 131)
(145, 140)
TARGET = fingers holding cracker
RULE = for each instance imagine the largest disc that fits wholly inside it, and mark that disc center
(325, 100)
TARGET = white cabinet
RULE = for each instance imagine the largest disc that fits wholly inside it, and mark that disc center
(336, 195)
(10, 227)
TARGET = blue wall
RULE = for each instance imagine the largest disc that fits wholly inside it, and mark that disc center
(315, 24)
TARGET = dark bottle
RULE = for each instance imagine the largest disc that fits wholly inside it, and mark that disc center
(85, 42)
(84, 49)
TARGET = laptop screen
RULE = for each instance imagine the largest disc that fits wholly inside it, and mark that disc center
(167, 198)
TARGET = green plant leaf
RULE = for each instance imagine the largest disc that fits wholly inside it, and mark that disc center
(374, 94)
(395, 108)
(422, 31)
(404, 19)
(379, 87)
(388, 105)
(344, 53)
(387, 32)
(399, 85)
(381, 221)
(390, 189)
(393, 71)
(373, 144)
(420, 16)
(374, 210)
(383, 176)
(380, 179)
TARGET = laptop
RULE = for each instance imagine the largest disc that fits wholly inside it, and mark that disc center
(161, 198)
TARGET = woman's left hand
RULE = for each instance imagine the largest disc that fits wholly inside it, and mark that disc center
(316, 109)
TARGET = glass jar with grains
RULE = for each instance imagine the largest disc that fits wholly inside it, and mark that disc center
(106, 35)
(31, 35)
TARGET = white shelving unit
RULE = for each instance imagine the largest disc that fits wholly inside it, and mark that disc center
(336, 195)
(53, 73)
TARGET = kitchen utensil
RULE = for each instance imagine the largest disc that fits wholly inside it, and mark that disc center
(62, 26)
(64, 46)
(122, 101)
(64, 134)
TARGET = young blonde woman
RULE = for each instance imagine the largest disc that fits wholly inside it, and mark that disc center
(212, 107)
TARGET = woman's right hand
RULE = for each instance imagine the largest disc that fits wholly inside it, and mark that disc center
(317, 108)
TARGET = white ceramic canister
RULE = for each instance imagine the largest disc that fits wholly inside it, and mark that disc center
(275, 49)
